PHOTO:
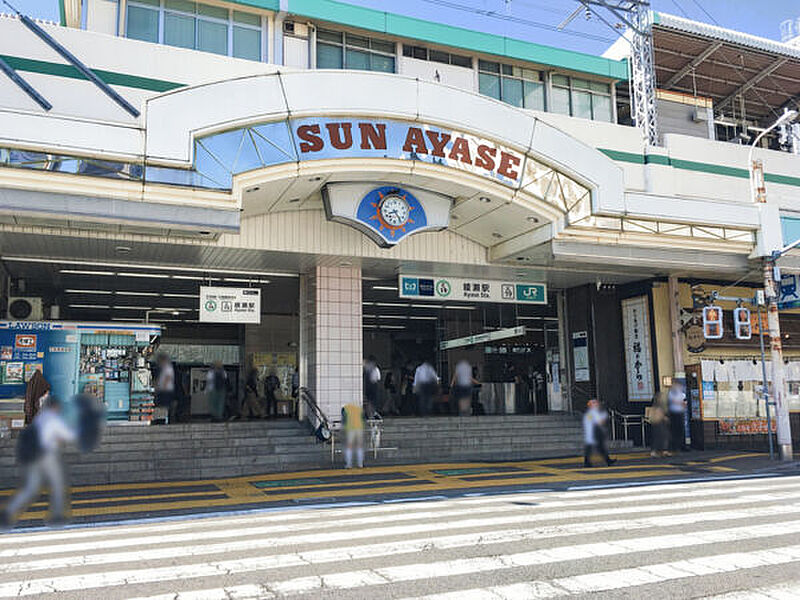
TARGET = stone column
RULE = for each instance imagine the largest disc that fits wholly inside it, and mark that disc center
(332, 337)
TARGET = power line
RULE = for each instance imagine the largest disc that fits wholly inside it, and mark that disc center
(708, 14)
(528, 22)
(680, 8)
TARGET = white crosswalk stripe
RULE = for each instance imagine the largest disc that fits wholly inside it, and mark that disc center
(516, 547)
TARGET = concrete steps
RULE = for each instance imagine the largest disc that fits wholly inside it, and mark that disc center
(213, 450)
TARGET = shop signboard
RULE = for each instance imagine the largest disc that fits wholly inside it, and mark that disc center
(230, 305)
(474, 289)
(754, 426)
(479, 338)
(580, 356)
(638, 356)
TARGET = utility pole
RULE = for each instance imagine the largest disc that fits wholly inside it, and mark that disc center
(771, 289)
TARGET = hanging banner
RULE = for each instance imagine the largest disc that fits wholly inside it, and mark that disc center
(475, 289)
(638, 356)
(230, 305)
(580, 356)
(489, 336)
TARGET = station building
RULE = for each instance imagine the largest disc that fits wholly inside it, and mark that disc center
(399, 188)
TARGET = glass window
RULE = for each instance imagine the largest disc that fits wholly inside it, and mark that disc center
(246, 43)
(142, 23)
(247, 18)
(489, 67)
(357, 41)
(179, 30)
(601, 108)
(381, 46)
(329, 57)
(560, 101)
(212, 37)
(461, 61)
(212, 11)
(597, 86)
(512, 91)
(356, 59)
(581, 104)
(329, 36)
(183, 5)
(439, 56)
(489, 85)
(383, 63)
(534, 95)
(561, 80)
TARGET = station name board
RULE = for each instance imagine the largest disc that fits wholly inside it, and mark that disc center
(324, 138)
(422, 287)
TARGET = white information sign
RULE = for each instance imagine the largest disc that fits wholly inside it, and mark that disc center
(230, 305)
(489, 336)
(475, 289)
(638, 356)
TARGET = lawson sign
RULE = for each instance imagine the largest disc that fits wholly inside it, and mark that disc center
(425, 287)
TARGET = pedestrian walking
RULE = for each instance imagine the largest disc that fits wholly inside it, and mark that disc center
(595, 420)
(271, 386)
(407, 406)
(390, 405)
(677, 412)
(39, 450)
(461, 386)
(372, 379)
(659, 426)
(353, 426)
(252, 406)
(217, 388)
(35, 393)
(165, 399)
(425, 382)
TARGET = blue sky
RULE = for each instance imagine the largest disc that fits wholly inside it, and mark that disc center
(530, 19)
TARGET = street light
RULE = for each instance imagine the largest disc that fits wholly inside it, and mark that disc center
(759, 194)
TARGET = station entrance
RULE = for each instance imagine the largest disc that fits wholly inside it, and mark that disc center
(513, 350)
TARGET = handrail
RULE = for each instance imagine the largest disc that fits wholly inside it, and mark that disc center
(627, 420)
(320, 419)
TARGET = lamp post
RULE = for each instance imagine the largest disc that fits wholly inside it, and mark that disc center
(771, 288)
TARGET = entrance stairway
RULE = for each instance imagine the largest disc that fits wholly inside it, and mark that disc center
(213, 450)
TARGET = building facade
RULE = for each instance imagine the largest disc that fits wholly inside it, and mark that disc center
(393, 187)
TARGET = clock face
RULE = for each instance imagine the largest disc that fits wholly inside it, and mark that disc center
(394, 210)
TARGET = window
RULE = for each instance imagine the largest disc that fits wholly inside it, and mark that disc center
(514, 85)
(189, 24)
(340, 50)
(422, 53)
(581, 98)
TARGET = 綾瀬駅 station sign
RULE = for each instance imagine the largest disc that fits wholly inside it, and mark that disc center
(429, 287)
(326, 138)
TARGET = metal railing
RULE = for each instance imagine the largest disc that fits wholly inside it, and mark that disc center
(626, 422)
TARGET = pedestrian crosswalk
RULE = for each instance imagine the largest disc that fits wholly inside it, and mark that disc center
(723, 539)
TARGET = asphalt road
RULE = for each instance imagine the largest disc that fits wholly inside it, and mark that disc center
(728, 538)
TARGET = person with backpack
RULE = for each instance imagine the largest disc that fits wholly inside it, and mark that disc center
(39, 449)
(217, 387)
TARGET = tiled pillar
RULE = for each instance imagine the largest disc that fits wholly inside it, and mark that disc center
(332, 340)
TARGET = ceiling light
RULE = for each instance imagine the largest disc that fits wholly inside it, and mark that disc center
(171, 309)
(122, 249)
(387, 288)
(128, 319)
(89, 306)
(457, 307)
(179, 295)
(126, 293)
(392, 327)
(87, 291)
(485, 199)
(532, 219)
(426, 306)
(423, 318)
(121, 307)
(77, 272)
(143, 275)
(392, 304)
(393, 316)
(193, 278)
(369, 316)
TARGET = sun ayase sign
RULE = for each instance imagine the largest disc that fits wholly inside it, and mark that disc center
(324, 138)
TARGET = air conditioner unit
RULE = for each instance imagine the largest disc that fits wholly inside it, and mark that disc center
(295, 29)
(21, 308)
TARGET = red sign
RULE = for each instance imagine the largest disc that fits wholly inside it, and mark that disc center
(744, 426)
(25, 341)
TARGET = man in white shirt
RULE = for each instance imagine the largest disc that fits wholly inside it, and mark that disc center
(594, 433)
(52, 433)
(461, 387)
(372, 379)
(425, 382)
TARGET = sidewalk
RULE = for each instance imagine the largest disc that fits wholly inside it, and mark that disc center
(165, 499)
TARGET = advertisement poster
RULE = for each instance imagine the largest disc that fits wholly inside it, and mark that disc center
(580, 356)
(14, 372)
(744, 426)
(638, 356)
(30, 369)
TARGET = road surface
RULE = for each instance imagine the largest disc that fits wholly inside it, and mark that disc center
(724, 539)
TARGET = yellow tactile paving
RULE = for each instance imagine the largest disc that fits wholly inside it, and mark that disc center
(384, 480)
